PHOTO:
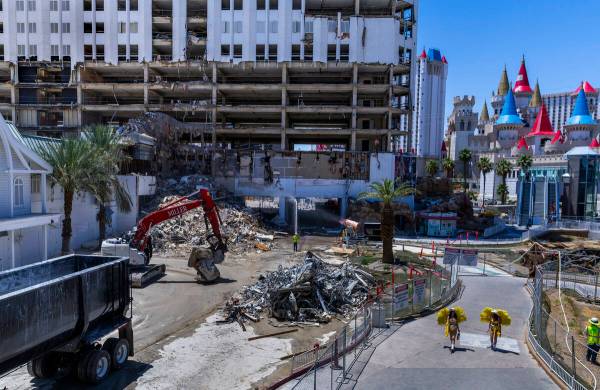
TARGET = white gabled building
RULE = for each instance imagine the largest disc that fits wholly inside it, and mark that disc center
(22, 174)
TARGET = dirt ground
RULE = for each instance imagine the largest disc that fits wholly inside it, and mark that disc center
(577, 314)
(178, 343)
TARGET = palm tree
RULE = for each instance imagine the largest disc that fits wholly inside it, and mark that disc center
(525, 162)
(431, 167)
(386, 192)
(72, 167)
(465, 157)
(108, 153)
(485, 166)
(503, 168)
(448, 165)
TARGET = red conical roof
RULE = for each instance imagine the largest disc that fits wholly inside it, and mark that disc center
(444, 60)
(423, 54)
(522, 144)
(595, 143)
(587, 88)
(542, 125)
(522, 83)
(557, 137)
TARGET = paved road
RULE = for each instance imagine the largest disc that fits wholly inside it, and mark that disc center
(416, 355)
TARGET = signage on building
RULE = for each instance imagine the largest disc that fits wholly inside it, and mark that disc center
(419, 291)
(401, 296)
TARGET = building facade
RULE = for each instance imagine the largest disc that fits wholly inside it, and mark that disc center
(430, 96)
(269, 72)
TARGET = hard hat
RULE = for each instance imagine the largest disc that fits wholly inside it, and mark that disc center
(594, 320)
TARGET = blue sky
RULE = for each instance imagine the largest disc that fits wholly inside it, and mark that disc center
(560, 40)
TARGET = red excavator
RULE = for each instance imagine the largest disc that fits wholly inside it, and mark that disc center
(202, 259)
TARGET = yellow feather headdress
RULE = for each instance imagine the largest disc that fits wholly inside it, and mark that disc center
(486, 315)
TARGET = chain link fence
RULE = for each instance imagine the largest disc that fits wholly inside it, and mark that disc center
(557, 340)
(399, 300)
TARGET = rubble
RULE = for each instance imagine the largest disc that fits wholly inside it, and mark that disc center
(313, 291)
(240, 225)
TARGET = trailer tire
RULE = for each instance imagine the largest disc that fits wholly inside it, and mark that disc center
(118, 349)
(43, 367)
(94, 367)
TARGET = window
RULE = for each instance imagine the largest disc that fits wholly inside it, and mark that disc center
(133, 52)
(122, 51)
(32, 28)
(273, 4)
(273, 27)
(31, 5)
(261, 5)
(133, 5)
(260, 52)
(21, 50)
(295, 52)
(272, 52)
(53, 5)
(225, 27)
(308, 26)
(332, 26)
(308, 52)
(133, 27)
(345, 26)
(19, 201)
(66, 50)
(87, 27)
(122, 27)
(295, 27)
(237, 51)
(238, 27)
(36, 183)
(296, 4)
(33, 50)
(54, 50)
(66, 5)
(121, 6)
(99, 28)
(225, 5)
(20, 5)
(20, 27)
(260, 27)
(66, 28)
(225, 50)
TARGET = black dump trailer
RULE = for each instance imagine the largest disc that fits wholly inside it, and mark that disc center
(53, 314)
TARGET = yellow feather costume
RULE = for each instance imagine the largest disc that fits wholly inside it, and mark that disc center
(442, 317)
(486, 317)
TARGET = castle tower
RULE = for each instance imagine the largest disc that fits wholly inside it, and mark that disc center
(522, 90)
(580, 127)
(536, 101)
(541, 133)
(508, 124)
(498, 98)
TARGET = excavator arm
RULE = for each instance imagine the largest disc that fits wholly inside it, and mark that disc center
(142, 242)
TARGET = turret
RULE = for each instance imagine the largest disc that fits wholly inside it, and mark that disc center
(541, 133)
(508, 124)
(580, 127)
(522, 90)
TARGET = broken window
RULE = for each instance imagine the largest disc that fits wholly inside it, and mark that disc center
(296, 4)
(331, 53)
(260, 52)
(237, 51)
(272, 52)
(308, 53)
(344, 53)
(133, 52)
(122, 52)
(225, 50)
(295, 52)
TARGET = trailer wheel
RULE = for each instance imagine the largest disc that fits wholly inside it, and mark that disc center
(43, 367)
(94, 366)
(118, 350)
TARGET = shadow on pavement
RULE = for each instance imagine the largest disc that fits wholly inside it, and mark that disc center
(460, 349)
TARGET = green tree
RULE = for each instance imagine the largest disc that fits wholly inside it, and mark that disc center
(465, 157)
(72, 170)
(485, 166)
(448, 165)
(431, 167)
(524, 162)
(386, 192)
(502, 192)
(503, 168)
(108, 154)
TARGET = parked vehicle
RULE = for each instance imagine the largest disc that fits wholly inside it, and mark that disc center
(54, 314)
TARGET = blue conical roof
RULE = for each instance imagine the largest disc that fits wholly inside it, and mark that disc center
(509, 115)
(581, 113)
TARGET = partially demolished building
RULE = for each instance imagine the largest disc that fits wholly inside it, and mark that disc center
(280, 75)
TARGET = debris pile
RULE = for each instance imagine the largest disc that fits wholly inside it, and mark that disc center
(309, 292)
(240, 225)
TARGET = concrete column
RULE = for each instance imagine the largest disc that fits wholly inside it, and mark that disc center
(284, 80)
(302, 32)
(338, 40)
(282, 205)
(343, 202)
(111, 32)
(45, 242)
(94, 37)
(356, 7)
(43, 193)
(146, 80)
(11, 237)
(145, 30)
(214, 104)
(354, 104)
(127, 32)
(249, 28)
(179, 29)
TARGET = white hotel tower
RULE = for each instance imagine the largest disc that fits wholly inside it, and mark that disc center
(278, 72)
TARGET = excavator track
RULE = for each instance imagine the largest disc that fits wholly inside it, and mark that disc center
(143, 275)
